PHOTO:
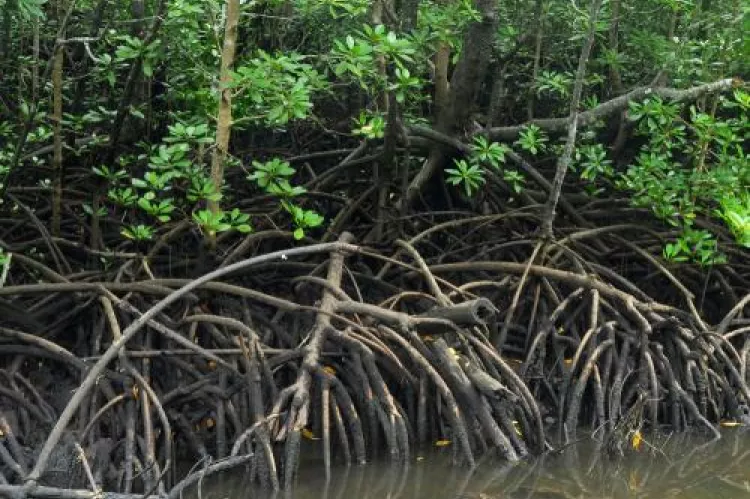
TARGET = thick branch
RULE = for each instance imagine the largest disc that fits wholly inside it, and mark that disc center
(606, 109)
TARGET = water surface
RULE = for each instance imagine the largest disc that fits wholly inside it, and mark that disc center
(683, 466)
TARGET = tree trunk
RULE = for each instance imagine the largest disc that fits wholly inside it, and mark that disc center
(224, 122)
(57, 158)
(136, 67)
(463, 90)
(35, 62)
(409, 14)
(469, 73)
(564, 161)
(6, 38)
(539, 21)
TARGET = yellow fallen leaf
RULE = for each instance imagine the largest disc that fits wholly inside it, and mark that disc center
(637, 440)
(442, 443)
(134, 392)
(517, 427)
(211, 365)
(730, 424)
(568, 361)
(427, 337)
(209, 422)
(330, 370)
(308, 434)
(452, 351)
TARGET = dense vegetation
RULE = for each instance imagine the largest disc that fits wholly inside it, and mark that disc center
(228, 226)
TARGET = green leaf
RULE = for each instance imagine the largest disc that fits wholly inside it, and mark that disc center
(312, 219)
(144, 204)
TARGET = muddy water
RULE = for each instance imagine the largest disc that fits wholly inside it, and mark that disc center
(665, 466)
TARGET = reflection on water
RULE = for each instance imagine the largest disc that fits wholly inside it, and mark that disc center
(675, 466)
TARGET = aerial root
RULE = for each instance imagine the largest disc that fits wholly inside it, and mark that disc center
(250, 379)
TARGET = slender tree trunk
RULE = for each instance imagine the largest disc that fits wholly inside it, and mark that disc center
(136, 67)
(57, 158)
(614, 46)
(616, 79)
(442, 87)
(381, 173)
(143, 85)
(564, 161)
(539, 23)
(408, 14)
(376, 17)
(6, 37)
(35, 63)
(138, 12)
(34, 106)
(224, 122)
(497, 97)
(77, 105)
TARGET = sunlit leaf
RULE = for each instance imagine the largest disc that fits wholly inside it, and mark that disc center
(308, 434)
(730, 424)
(636, 440)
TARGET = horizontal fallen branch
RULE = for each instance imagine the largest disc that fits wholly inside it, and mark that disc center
(559, 125)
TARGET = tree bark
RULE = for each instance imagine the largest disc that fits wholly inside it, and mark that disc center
(224, 122)
(57, 157)
(409, 14)
(463, 91)
(469, 73)
(613, 106)
(539, 21)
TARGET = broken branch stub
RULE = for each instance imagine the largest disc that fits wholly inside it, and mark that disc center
(470, 313)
